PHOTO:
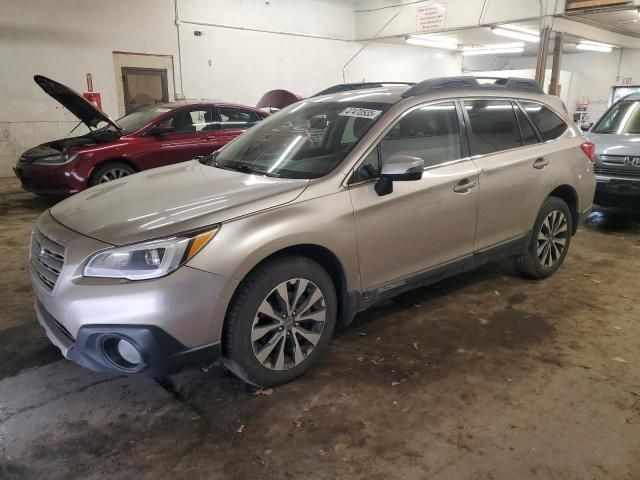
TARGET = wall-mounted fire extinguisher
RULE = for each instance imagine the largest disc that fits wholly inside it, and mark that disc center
(91, 96)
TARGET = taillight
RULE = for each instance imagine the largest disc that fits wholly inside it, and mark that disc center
(589, 149)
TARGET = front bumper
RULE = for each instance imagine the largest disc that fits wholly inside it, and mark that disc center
(54, 181)
(173, 321)
(617, 186)
(161, 353)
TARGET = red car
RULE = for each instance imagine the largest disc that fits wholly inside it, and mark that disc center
(147, 138)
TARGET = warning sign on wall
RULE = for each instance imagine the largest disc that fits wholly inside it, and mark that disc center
(431, 17)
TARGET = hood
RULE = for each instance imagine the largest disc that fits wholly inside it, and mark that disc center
(168, 200)
(82, 108)
(614, 144)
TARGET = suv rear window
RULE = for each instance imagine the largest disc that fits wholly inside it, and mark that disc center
(529, 135)
(493, 126)
(551, 126)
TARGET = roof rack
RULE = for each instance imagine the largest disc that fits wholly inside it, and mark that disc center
(345, 87)
(474, 83)
(631, 96)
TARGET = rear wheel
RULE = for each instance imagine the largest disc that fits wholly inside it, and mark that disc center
(110, 171)
(550, 240)
(280, 321)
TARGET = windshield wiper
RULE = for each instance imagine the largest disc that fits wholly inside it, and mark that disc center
(244, 168)
(211, 161)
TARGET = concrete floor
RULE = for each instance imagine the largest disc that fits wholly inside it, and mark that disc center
(482, 376)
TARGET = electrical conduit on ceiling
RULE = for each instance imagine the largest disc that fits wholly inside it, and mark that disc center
(177, 22)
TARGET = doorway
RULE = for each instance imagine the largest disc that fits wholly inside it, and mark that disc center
(142, 78)
(144, 86)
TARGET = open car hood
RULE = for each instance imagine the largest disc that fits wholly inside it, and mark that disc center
(74, 102)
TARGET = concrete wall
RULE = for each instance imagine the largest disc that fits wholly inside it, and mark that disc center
(252, 45)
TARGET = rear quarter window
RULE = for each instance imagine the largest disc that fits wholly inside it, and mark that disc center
(551, 126)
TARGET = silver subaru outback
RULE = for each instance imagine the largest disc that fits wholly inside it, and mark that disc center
(253, 254)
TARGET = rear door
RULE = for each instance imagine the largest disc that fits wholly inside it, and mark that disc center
(422, 224)
(514, 172)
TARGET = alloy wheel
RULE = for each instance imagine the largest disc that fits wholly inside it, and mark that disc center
(552, 238)
(113, 174)
(288, 324)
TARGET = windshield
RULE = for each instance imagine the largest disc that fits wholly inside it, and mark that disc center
(623, 117)
(138, 119)
(305, 140)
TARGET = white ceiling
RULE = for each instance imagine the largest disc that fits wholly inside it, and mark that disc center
(626, 21)
(483, 36)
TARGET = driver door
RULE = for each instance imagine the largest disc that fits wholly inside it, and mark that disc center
(425, 224)
(194, 134)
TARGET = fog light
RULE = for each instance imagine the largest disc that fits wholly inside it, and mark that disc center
(129, 352)
(122, 353)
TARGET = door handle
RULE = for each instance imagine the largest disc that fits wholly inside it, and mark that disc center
(540, 163)
(210, 139)
(464, 186)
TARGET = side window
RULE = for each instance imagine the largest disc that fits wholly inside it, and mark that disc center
(190, 121)
(431, 132)
(493, 126)
(550, 125)
(235, 118)
(529, 136)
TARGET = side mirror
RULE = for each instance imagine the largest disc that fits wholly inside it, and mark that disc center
(399, 168)
(160, 130)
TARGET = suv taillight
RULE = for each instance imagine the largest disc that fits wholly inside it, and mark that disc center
(589, 149)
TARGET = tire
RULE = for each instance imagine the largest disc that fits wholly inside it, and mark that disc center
(268, 350)
(110, 171)
(550, 240)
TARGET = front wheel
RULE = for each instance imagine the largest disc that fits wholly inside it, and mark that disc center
(280, 321)
(550, 240)
(110, 171)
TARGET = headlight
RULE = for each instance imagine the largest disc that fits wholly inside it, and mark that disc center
(57, 159)
(147, 260)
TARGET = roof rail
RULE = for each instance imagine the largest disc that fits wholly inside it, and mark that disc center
(630, 96)
(345, 87)
(474, 83)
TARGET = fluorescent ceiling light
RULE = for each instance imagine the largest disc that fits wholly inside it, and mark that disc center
(517, 47)
(492, 51)
(505, 32)
(597, 44)
(594, 46)
(424, 42)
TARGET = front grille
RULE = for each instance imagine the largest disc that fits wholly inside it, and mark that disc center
(47, 259)
(617, 171)
(613, 159)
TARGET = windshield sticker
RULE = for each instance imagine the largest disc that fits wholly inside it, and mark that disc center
(360, 113)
